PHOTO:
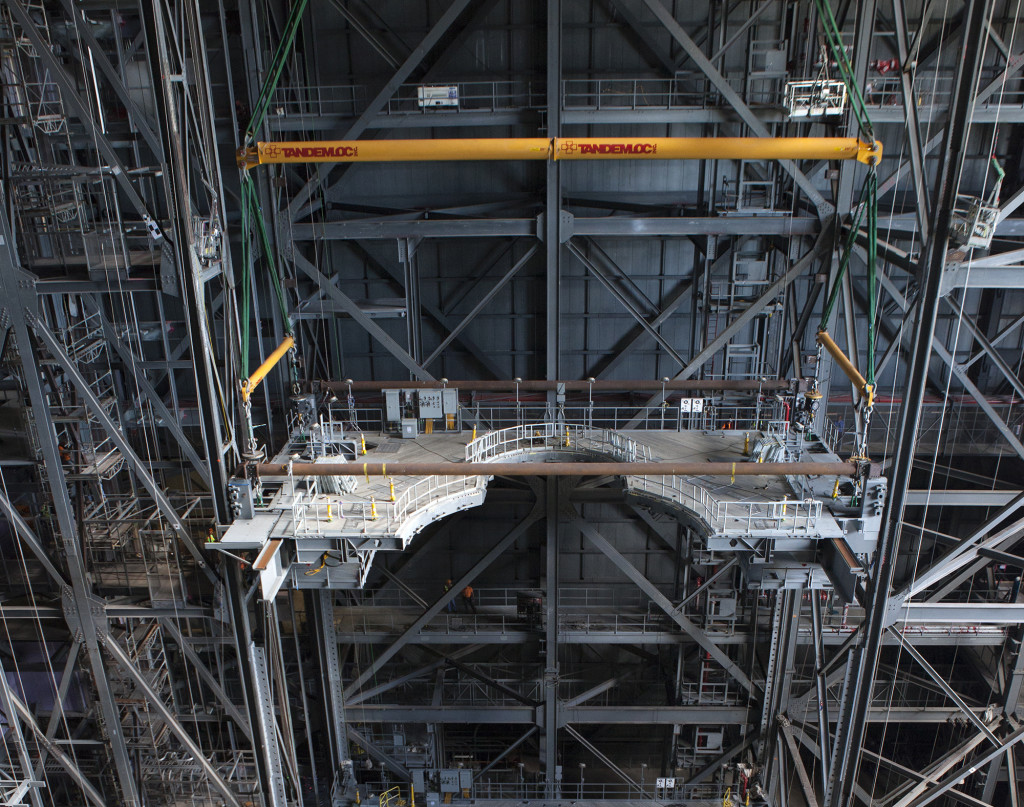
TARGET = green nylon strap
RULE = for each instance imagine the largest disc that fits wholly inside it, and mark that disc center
(268, 255)
(245, 290)
(835, 42)
(844, 261)
(284, 48)
(872, 185)
(252, 217)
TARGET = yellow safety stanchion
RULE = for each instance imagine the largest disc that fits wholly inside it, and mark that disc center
(474, 433)
(785, 507)
(835, 489)
(746, 444)
(391, 484)
(373, 509)
(330, 516)
(566, 436)
(362, 444)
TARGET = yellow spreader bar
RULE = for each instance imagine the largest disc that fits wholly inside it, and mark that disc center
(562, 148)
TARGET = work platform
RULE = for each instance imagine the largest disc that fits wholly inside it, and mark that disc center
(324, 531)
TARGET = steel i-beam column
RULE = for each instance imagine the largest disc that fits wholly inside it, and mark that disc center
(549, 739)
(847, 757)
(331, 672)
(553, 197)
(171, 99)
(19, 295)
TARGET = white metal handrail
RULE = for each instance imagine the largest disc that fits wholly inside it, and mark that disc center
(556, 437)
(727, 514)
(312, 513)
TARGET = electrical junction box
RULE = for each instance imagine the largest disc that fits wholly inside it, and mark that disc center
(465, 778)
(410, 428)
(449, 781)
(392, 407)
(450, 401)
(438, 96)
(430, 403)
(241, 498)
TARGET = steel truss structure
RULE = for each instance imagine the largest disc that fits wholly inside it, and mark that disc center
(620, 646)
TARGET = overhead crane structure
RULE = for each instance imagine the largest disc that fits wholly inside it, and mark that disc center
(700, 578)
(561, 148)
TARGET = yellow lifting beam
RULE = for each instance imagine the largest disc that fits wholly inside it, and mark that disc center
(563, 148)
(249, 385)
(866, 389)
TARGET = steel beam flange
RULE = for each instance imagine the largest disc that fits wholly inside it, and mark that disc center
(71, 614)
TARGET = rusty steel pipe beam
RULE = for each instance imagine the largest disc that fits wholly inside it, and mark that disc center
(730, 469)
(685, 385)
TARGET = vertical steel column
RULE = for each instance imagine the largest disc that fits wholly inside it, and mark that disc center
(169, 101)
(19, 296)
(331, 672)
(170, 88)
(267, 727)
(553, 196)
(821, 690)
(14, 730)
(847, 757)
(549, 739)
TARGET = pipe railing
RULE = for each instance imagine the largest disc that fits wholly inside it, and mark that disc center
(316, 514)
(530, 438)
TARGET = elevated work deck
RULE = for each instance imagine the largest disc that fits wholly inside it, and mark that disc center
(331, 527)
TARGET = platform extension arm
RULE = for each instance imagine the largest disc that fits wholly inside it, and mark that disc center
(563, 148)
(250, 384)
(866, 389)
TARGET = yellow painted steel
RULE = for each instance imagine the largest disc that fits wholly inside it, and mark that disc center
(867, 390)
(713, 148)
(254, 380)
(564, 148)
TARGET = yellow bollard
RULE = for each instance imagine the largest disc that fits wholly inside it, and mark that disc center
(391, 484)
(835, 490)
(746, 444)
(373, 509)
(330, 515)
(362, 444)
(474, 433)
(785, 507)
(566, 436)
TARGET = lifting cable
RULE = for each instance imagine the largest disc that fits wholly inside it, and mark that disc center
(259, 112)
(254, 227)
(867, 206)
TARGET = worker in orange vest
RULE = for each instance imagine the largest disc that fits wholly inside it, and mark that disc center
(467, 599)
